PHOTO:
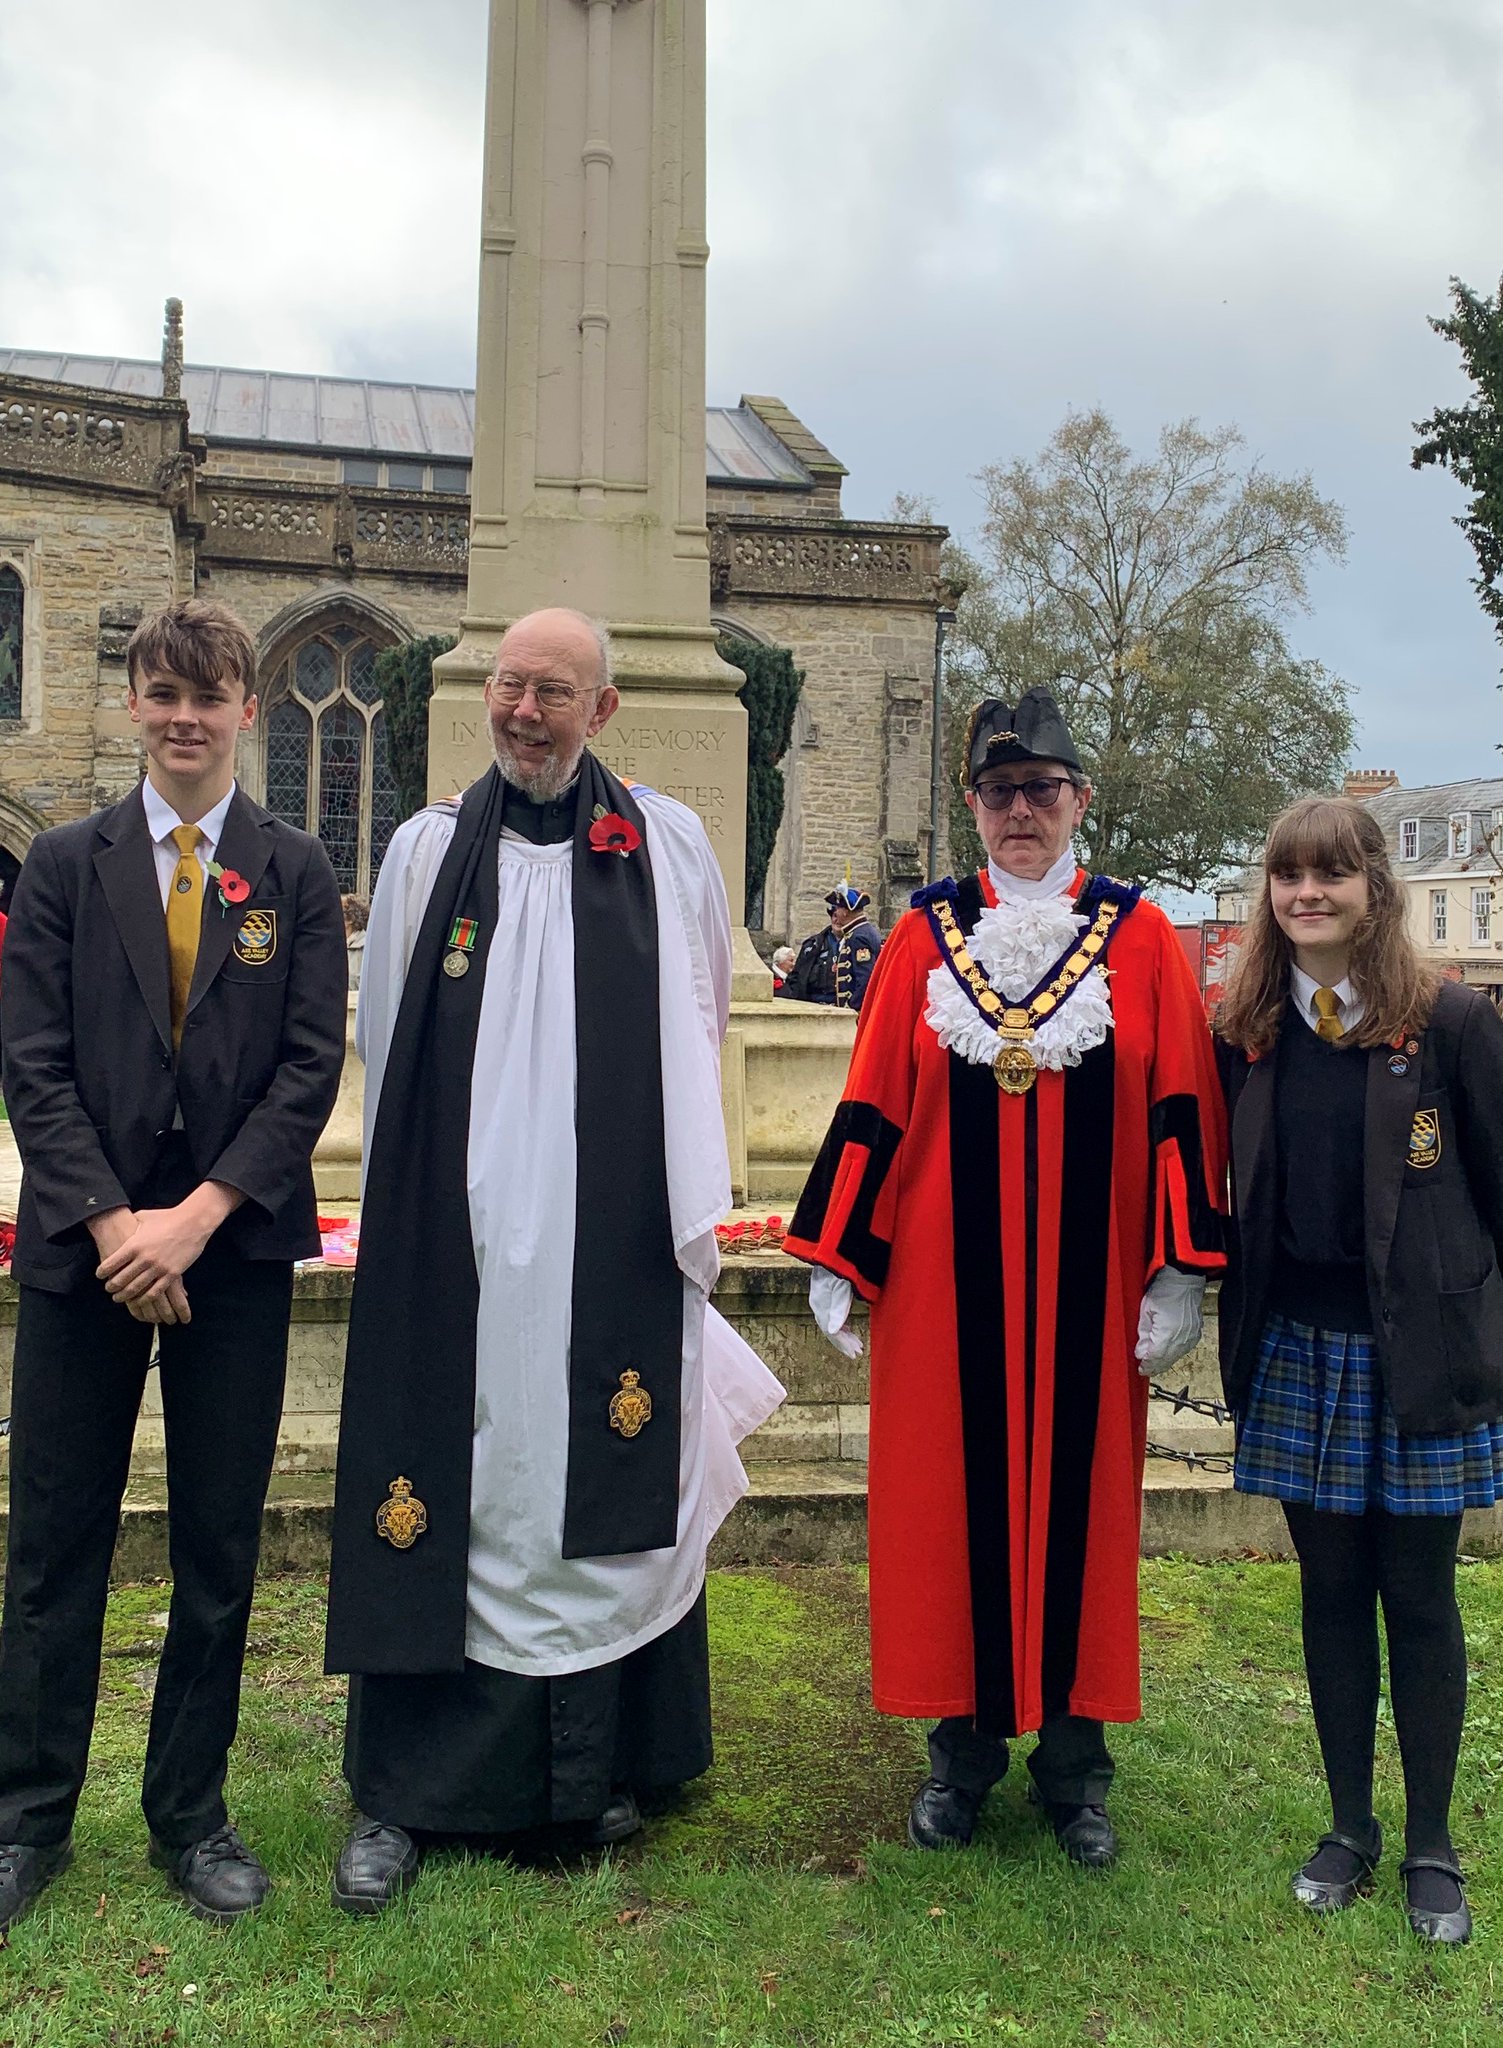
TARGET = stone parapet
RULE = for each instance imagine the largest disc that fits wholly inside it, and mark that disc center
(263, 521)
(837, 559)
(110, 441)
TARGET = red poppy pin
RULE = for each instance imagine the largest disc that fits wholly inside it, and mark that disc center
(233, 887)
(611, 833)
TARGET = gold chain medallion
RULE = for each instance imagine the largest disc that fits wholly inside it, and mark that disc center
(402, 1518)
(631, 1408)
(1015, 1066)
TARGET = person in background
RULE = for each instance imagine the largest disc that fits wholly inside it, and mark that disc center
(174, 1001)
(1362, 1317)
(782, 965)
(834, 966)
(1024, 1180)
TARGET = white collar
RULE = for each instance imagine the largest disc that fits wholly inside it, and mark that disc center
(1014, 889)
(1302, 989)
(162, 820)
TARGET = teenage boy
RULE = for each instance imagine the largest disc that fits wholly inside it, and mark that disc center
(174, 1014)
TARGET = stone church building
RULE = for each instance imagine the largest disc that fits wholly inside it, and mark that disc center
(332, 513)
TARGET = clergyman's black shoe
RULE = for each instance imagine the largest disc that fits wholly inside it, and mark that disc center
(375, 1864)
(25, 1872)
(620, 1821)
(1085, 1833)
(219, 1877)
(942, 1816)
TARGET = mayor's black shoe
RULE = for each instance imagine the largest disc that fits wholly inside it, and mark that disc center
(1085, 1833)
(620, 1821)
(375, 1864)
(942, 1816)
(25, 1873)
(219, 1877)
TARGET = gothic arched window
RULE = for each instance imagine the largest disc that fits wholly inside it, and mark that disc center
(12, 636)
(326, 761)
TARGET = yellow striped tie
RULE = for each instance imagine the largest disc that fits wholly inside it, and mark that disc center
(185, 912)
(1328, 1009)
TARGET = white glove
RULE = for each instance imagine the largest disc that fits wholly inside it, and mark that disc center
(1169, 1320)
(830, 1305)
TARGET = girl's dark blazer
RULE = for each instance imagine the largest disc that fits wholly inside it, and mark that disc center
(1432, 1212)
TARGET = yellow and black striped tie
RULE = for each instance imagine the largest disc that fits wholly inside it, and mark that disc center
(185, 912)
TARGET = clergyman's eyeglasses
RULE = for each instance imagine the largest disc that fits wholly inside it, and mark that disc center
(551, 696)
(1042, 792)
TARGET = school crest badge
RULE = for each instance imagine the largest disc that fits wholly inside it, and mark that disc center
(1424, 1138)
(256, 940)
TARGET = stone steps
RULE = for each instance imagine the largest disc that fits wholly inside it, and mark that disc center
(796, 1513)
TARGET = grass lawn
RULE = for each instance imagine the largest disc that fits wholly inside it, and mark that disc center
(777, 1905)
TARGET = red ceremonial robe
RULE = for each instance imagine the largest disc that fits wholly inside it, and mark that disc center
(1004, 1243)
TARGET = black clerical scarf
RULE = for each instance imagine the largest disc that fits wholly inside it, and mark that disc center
(397, 1595)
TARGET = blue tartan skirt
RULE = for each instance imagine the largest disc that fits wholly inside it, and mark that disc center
(1318, 1430)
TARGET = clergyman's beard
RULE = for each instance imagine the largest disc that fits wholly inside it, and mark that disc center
(543, 783)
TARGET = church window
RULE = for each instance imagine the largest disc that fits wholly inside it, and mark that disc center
(405, 476)
(327, 766)
(12, 621)
(447, 479)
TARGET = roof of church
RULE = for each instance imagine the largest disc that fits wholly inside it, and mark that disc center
(424, 422)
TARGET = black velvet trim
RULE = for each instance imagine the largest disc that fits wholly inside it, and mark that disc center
(981, 1349)
(1176, 1119)
(1079, 1328)
(854, 1123)
(969, 902)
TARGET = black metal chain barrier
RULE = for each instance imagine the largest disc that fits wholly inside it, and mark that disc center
(1198, 1461)
(1215, 1411)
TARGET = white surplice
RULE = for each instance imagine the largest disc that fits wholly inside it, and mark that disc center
(530, 1609)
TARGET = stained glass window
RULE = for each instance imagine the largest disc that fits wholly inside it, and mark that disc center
(363, 675)
(288, 730)
(328, 764)
(316, 674)
(12, 610)
(383, 796)
(341, 750)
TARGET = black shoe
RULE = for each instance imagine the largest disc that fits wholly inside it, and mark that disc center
(1451, 1927)
(25, 1872)
(1085, 1833)
(943, 1816)
(1334, 1895)
(620, 1821)
(375, 1864)
(219, 1877)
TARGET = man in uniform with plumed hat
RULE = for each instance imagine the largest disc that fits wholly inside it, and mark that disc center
(834, 966)
(1024, 1179)
(540, 1408)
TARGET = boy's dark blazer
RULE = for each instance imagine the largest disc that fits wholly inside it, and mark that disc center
(91, 1085)
(1432, 1208)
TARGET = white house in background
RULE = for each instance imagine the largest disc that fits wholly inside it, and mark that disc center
(1446, 845)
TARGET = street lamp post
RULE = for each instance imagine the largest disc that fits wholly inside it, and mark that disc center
(944, 617)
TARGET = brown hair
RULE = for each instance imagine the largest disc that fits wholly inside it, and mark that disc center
(199, 640)
(1334, 834)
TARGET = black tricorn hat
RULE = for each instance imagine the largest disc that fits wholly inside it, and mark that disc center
(847, 897)
(1033, 729)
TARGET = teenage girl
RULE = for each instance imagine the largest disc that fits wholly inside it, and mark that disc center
(1362, 1317)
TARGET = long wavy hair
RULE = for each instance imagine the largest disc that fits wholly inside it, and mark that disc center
(1334, 834)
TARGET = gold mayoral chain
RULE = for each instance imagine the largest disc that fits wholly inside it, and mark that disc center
(1015, 1023)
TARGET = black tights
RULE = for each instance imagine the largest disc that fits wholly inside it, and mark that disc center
(1348, 1563)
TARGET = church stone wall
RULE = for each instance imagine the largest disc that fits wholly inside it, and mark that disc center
(90, 563)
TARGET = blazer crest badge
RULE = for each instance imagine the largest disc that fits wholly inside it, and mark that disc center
(255, 941)
(1424, 1138)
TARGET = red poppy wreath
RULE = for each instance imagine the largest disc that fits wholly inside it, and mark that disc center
(611, 833)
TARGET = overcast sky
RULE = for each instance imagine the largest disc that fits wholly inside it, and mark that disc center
(935, 228)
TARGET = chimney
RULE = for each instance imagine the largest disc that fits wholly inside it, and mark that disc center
(1362, 783)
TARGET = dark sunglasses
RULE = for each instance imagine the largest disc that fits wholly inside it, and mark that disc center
(1042, 792)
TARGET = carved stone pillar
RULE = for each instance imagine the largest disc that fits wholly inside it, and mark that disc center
(588, 485)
